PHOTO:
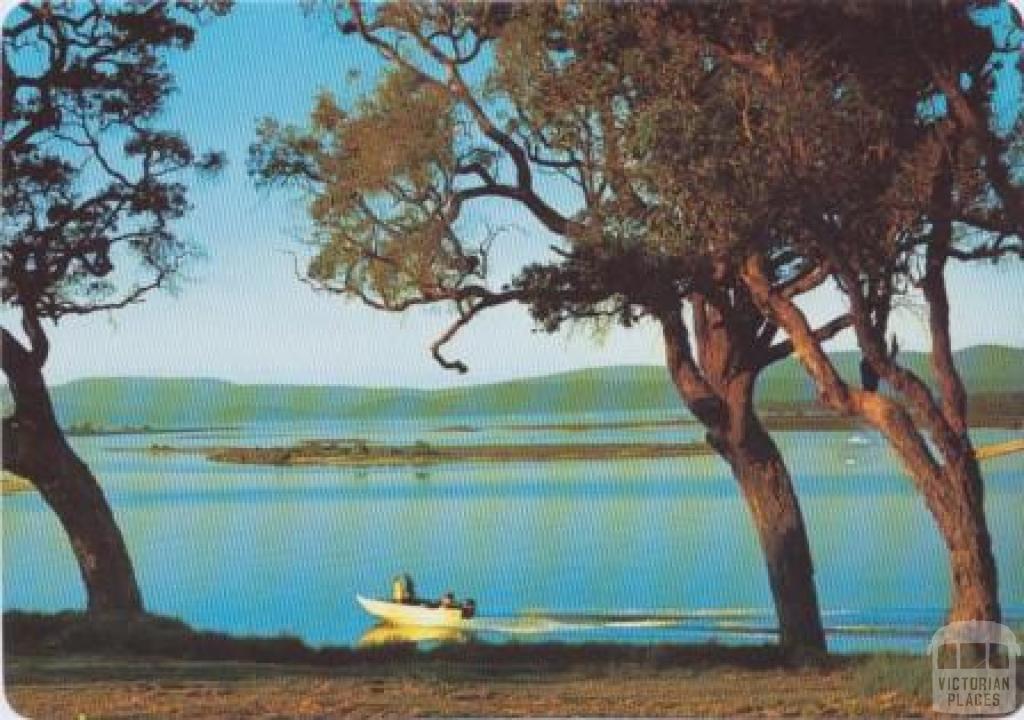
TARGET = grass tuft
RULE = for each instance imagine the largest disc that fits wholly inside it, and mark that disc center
(883, 673)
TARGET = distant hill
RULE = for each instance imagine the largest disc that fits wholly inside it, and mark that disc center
(989, 371)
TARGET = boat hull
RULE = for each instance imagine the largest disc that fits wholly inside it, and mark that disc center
(412, 615)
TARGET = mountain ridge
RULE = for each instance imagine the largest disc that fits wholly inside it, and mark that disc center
(988, 370)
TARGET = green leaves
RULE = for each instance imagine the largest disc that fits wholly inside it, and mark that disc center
(686, 136)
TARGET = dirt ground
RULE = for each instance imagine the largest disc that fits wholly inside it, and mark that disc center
(85, 688)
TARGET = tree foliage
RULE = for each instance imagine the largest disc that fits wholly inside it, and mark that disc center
(534, 104)
(92, 184)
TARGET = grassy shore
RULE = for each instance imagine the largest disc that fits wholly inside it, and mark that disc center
(69, 665)
(431, 687)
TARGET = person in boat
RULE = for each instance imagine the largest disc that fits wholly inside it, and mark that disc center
(448, 600)
(468, 609)
(402, 589)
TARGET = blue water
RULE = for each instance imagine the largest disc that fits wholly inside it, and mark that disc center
(625, 551)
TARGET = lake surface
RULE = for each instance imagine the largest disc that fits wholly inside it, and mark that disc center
(626, 551)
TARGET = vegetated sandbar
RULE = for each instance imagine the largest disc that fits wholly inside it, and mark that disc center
(999, 449)
(11, 483)
(336, 452)
(329, 452)
(358, 452)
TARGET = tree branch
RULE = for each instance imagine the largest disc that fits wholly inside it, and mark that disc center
(823, 334)
(693, 387)
(465, 317)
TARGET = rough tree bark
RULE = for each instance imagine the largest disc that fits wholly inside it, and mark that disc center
(974, 581)
(772, 501)
(721, 397)
(953, 494)
(952, 489)
(35, 448)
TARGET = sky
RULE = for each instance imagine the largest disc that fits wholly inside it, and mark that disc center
(240, 314)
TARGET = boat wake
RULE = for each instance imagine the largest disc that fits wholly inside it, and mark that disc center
(711, 621)
(726, 625)
(540, 622)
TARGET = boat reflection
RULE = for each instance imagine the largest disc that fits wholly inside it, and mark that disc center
(384, 634)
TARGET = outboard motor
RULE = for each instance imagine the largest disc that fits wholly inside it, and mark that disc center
(468, 609)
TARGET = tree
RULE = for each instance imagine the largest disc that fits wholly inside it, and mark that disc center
(518, 105)
(892, 167)
(91, 188)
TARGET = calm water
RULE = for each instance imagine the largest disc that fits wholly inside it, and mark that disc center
(637, 551)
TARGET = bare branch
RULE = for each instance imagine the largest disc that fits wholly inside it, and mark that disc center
(466, 315)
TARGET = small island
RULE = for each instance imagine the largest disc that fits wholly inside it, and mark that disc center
(356, 452)
(362, 453)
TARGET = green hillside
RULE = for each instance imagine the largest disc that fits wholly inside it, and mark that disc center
(992, 374)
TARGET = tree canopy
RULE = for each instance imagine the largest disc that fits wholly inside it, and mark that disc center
(534, 104)
(92, 184)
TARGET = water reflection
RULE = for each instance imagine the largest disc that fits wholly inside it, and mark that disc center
(384, 634)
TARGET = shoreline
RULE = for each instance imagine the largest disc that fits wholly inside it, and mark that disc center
(153, 667)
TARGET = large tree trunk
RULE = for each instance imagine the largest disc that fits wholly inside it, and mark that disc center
(974, 582)
(721, 397)
(34, 447)
(973, 578)
(954, 495)
(775, 511)
(771, 499)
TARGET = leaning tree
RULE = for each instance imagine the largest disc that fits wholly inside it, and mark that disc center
(913, 170)
(91, 187)
(587, 116)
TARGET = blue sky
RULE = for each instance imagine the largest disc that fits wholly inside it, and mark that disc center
(240, 314)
